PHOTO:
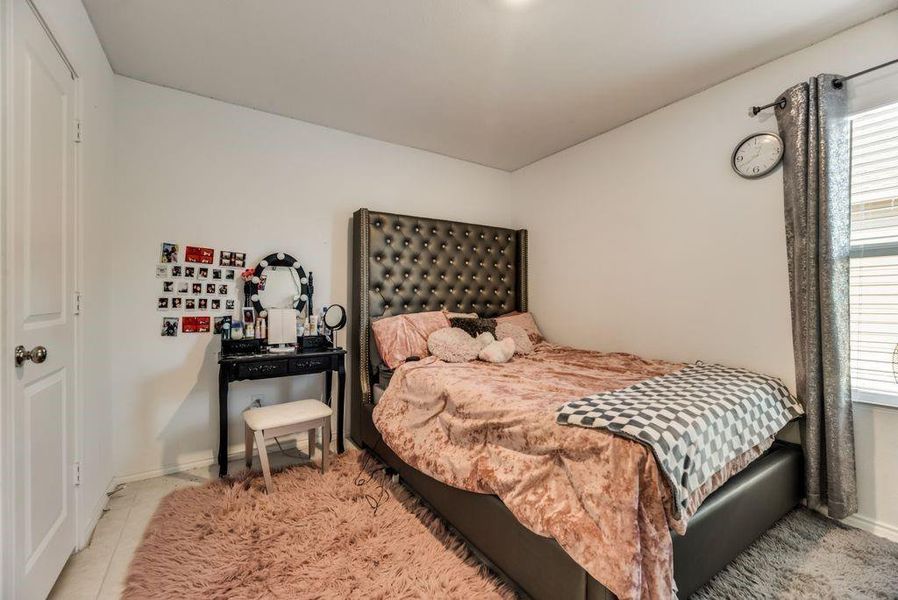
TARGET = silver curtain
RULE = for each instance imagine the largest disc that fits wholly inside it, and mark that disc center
(816, 178)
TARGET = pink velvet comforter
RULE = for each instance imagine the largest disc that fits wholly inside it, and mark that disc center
(491, 429)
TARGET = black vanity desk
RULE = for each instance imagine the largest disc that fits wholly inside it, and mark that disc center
(237, 367)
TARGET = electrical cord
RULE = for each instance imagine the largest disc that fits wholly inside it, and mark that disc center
(381, 489)
(374, 501)
(285, 453)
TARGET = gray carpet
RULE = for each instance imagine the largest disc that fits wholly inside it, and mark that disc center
(807, 556)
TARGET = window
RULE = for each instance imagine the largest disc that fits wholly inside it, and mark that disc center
(874, 256)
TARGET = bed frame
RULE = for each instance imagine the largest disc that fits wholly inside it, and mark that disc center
(403, 264)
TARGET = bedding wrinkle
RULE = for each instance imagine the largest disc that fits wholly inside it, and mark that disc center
(496, 434)
(490, 428)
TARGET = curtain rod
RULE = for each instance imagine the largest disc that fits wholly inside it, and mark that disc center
(837, 83)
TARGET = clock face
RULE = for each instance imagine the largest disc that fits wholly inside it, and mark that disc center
(757, 155)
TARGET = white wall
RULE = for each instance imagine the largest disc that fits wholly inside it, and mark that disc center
(644, 232)
(199, 171)
(654, 246)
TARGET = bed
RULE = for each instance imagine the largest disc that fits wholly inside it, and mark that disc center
(407, 264)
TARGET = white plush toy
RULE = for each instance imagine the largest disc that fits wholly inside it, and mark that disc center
(498, 352)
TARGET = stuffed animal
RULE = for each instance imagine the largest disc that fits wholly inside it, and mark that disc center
(498, 352)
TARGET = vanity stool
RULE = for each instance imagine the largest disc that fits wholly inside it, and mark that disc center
(283, 419)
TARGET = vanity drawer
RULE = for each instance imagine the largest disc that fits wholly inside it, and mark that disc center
(261, 370)
(312, 364)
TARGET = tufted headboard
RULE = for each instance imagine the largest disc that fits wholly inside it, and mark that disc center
(403, 264)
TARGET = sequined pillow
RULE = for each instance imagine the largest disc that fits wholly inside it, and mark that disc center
(474, 327)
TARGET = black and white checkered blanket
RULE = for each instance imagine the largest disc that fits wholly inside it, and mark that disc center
(695, 420)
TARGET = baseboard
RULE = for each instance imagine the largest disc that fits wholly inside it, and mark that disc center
(188, 464)
(886, 530)
(88, 530)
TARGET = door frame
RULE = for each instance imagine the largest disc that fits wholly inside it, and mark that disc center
(9, 574)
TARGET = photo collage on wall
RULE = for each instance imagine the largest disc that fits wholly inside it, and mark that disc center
(196, 285)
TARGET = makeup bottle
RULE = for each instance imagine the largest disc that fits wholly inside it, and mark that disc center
(261, 332)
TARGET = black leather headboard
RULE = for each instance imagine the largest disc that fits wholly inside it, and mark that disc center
(403, 264)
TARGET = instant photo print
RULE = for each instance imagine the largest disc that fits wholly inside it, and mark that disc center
(169, 326)
(196, 254)
(195, 325)
(218, 322)
(169, 253)
(229, 258)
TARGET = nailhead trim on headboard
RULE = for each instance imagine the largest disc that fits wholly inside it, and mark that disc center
(414, 264)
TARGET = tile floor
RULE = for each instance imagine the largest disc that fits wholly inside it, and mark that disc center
(98, 571)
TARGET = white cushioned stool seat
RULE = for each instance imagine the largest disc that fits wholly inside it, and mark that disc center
(284, 419)
(288, 413)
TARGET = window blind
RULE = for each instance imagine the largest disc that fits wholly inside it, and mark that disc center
(874, 255)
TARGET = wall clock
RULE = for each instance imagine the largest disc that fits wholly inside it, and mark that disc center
(757, 155)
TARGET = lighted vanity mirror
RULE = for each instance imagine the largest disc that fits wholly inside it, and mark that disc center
(279, 281)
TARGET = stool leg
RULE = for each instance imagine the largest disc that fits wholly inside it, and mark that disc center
(312, 435)
(325, 443)
(263, 458)
(248, 440)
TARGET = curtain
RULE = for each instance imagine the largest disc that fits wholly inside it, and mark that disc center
(816, 176)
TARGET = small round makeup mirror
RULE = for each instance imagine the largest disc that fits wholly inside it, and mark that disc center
(335, 317)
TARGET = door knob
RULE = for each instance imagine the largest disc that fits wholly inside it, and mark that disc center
(38, 354)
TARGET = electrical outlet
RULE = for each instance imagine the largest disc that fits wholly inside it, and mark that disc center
(257, 400)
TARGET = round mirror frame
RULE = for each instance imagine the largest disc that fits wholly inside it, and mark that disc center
(278, 259)
(342, 323)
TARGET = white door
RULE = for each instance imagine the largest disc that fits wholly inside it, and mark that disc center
(41, 209)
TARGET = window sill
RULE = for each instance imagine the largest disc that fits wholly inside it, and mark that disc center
(875, 398)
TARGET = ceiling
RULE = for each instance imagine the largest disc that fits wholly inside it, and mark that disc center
(498, 82)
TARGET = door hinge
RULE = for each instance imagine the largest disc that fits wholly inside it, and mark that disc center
(76, 473)
(77, 304)
(77, 131)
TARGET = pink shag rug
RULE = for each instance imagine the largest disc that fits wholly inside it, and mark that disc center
(315, 536)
